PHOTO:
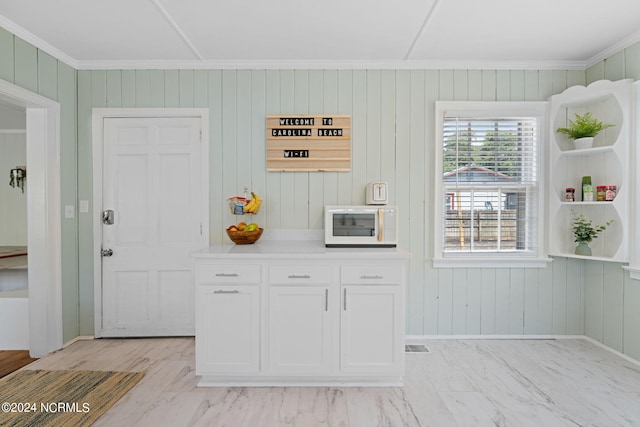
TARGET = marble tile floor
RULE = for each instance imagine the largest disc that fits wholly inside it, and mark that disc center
(457, 383)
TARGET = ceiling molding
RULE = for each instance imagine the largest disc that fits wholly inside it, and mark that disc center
(36, 41)
(425, 22)
(332, 65)
(177, 28)
(613, 49)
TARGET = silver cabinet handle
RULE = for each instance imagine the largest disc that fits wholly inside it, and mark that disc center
(344, 300)
(226, 274)
(376, 277)
(326, 300)
(235, 291)
(295, 276)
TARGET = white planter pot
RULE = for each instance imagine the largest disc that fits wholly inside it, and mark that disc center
(582, 143)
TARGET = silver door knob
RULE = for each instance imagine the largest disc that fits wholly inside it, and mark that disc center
(106, 252)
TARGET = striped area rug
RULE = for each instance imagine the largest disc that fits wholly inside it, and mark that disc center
(61, 398)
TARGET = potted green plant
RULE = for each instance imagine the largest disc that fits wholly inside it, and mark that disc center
(583, 129)
(584, 232)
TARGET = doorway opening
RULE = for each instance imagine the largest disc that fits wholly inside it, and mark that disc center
(14, 303)
(43, 216)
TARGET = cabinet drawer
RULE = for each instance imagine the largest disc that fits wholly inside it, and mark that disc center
(229, 273)
(300, 274)
(371, 274)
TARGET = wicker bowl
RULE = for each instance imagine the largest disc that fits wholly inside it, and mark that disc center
(244, 237)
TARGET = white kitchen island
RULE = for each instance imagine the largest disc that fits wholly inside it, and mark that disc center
(292, 312)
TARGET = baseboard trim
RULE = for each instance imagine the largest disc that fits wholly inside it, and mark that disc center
(612, 350)
(78, 338)
(491, 337)
(411, 339)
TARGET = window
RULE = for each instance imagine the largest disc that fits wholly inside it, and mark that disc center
(489, 183)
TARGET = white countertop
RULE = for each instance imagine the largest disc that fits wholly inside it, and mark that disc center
(295, 246)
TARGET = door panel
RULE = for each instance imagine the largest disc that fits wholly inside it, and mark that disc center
(230, 317)
(173, 135)
(175, 299)
(299, 330)
(131, 199)
(128, 303)
(152, 181)
(173, 199)
(371, 329)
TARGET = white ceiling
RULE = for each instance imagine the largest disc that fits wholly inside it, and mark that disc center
(544, 34)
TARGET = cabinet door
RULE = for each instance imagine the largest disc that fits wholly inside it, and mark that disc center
(299, 330)
(228, 330)
(372, 325)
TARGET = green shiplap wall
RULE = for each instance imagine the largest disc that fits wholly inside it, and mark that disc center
(24, 65)
(622, 65)
(393, 139)
(612, 302)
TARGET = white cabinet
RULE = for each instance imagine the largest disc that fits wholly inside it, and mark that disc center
(228, 330)
(371, 329)
(354, 325)
(299, 335)
(271, 320)
(229, 274)
(300, 274)
(299, 331)
(227, 319)
(372, 318)
(607, 162)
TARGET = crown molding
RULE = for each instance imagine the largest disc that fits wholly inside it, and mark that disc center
(613, 49)
(36, 41)
(331, 65)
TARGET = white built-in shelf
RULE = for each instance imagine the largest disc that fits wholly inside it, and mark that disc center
(607, 162)
(586, 151)
(586, 203)
(589, 258)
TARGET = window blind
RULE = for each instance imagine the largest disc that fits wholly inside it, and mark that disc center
(490, 150)
(490, 183)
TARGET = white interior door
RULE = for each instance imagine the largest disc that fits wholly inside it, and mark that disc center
(152, 178)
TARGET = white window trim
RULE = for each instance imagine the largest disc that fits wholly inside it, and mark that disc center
(535, 259)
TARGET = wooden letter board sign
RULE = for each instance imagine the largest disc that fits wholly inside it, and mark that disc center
(303, 142)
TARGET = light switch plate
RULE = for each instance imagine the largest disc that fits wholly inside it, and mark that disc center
(69, 211)
(84, 206)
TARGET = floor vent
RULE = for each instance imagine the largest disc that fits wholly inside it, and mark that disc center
(416, 348)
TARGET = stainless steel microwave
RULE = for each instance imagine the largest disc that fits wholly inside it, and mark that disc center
(361, 226)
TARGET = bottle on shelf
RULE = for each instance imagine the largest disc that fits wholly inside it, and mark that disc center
(610, 193)
(570, 195)
(587, 189)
